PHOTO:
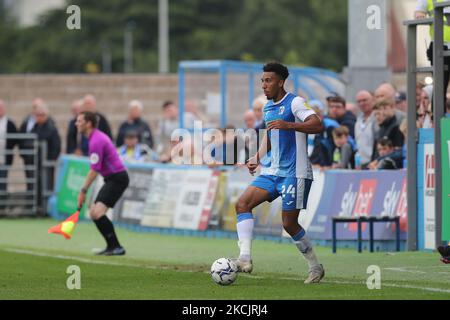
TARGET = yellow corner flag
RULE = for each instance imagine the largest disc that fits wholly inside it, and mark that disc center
(66, 227)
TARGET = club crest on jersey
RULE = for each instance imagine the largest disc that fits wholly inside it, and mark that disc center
(281, 110)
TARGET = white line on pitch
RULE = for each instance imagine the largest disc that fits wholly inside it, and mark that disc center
(111, 263)
(91, 261)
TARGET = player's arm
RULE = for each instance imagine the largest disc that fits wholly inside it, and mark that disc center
(310, 122)
(264, 148)
(96, 159)
(91, 176)
(311, 125)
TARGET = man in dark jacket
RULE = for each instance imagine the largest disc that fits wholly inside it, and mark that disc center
(78, 144)
(73, 138)
(136, 124)
(26, 145)
(384, 112)
(6, 146)
(46, 131)
(337, 112)
(90, 105)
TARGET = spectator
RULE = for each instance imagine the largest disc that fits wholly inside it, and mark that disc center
(424, 8)
(353, 108)
(27, 126)
(404, 130)
(79, 143)
(323, 144)
(426, 108)
(90, 105)
(137, 124)
(258, 107)
(73, 139)
(387, 91)
(46, 131)
(133, 151)
(29, 122)
(366, 127)
(192, 114)
(6, 145)
(419, 87)
(193, 156)
(343, 155)
(389, 157)
(387, 121)
(228, 149)
(337, 111)
(401, 102)
(166, 126)
(249, 119)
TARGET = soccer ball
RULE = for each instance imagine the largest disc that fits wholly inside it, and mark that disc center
(224, 271)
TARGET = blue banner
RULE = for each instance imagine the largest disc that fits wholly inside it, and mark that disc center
(361, 193)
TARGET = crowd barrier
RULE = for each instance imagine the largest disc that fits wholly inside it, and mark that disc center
(199, 199)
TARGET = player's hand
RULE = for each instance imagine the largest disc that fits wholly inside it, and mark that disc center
(81, 199)
(278, 125)
(252, 164)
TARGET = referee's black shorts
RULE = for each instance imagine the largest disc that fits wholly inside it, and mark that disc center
(113, 189)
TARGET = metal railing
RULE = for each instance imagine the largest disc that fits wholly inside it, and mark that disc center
(24, 184)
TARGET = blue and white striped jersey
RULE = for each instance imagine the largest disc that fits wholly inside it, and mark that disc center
(289, 148)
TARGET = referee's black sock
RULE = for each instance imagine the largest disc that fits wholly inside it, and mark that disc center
(106, 228)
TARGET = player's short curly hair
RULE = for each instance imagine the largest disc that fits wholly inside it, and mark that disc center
(281, 70)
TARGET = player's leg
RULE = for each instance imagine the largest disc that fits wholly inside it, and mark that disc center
(303, 244)
(445, 253)
(107, 197)
(254, 195)
(294, 195)
(106, 228)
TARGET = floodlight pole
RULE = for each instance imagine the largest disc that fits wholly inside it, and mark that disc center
(163, 18)
(128, 47)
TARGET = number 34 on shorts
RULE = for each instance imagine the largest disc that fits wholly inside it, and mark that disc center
(293, 191)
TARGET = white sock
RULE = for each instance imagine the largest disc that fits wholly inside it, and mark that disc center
(245, 234)
(306, 249)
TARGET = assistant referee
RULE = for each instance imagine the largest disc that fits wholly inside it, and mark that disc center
(105, 161)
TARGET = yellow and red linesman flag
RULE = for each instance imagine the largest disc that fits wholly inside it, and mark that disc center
(66, 227)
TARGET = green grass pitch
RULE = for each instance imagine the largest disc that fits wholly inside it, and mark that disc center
(33, 265)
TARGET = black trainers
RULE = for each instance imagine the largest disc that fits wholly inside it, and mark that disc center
(445, 253)
(118, 251)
